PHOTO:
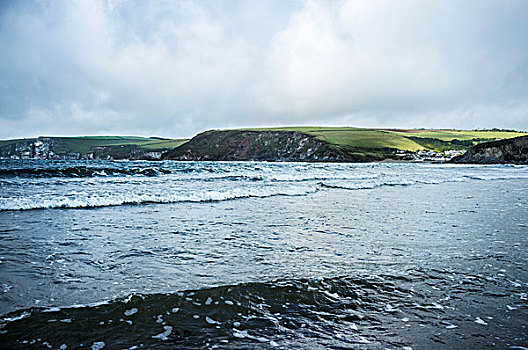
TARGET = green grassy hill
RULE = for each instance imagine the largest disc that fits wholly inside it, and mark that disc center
(351, 143)
(401, 139)
(82, 144)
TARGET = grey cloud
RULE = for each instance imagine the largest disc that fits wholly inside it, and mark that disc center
(173, 68)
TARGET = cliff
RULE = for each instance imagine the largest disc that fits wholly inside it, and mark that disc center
(273, 145)
(513, 150)
(120, 152)
(87, 147)
(306, 143)
(39, 148)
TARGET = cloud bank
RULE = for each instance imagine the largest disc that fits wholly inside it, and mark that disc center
(174, 68)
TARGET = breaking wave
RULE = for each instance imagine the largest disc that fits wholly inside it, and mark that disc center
(40, 185)
(81, 171)
(23, 203)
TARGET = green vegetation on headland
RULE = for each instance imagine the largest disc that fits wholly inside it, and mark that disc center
(331, 144)
(91, 147)
(400, 139)
(274, 144)
(85, 143)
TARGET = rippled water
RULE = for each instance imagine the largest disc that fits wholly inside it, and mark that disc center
(258, 255)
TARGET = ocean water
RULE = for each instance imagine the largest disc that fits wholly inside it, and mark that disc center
(251, 255)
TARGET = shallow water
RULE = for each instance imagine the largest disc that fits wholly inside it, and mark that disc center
(256, 255)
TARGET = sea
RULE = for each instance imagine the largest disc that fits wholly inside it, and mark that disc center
(262, 255)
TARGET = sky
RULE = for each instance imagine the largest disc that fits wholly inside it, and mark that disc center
(176, 68)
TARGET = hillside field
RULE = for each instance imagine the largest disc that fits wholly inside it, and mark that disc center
(82, 144)
(376, 143)
(401, 139)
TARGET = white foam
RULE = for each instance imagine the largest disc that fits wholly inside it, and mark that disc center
(98, 345)
(52, 309)
(107, 200)
(245, 334)
(130, 312)
(23, 315)
(290, 179)
(210, 320)
(164, 335)
(390, 308)
(480, 321)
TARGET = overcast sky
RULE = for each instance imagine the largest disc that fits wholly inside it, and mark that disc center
(175, 68)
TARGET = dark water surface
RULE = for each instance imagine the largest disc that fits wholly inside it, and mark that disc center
(262, 255)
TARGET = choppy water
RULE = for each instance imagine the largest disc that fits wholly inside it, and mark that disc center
(262, 255)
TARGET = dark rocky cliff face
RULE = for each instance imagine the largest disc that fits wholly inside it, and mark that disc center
(258, 145)
(504, 151)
